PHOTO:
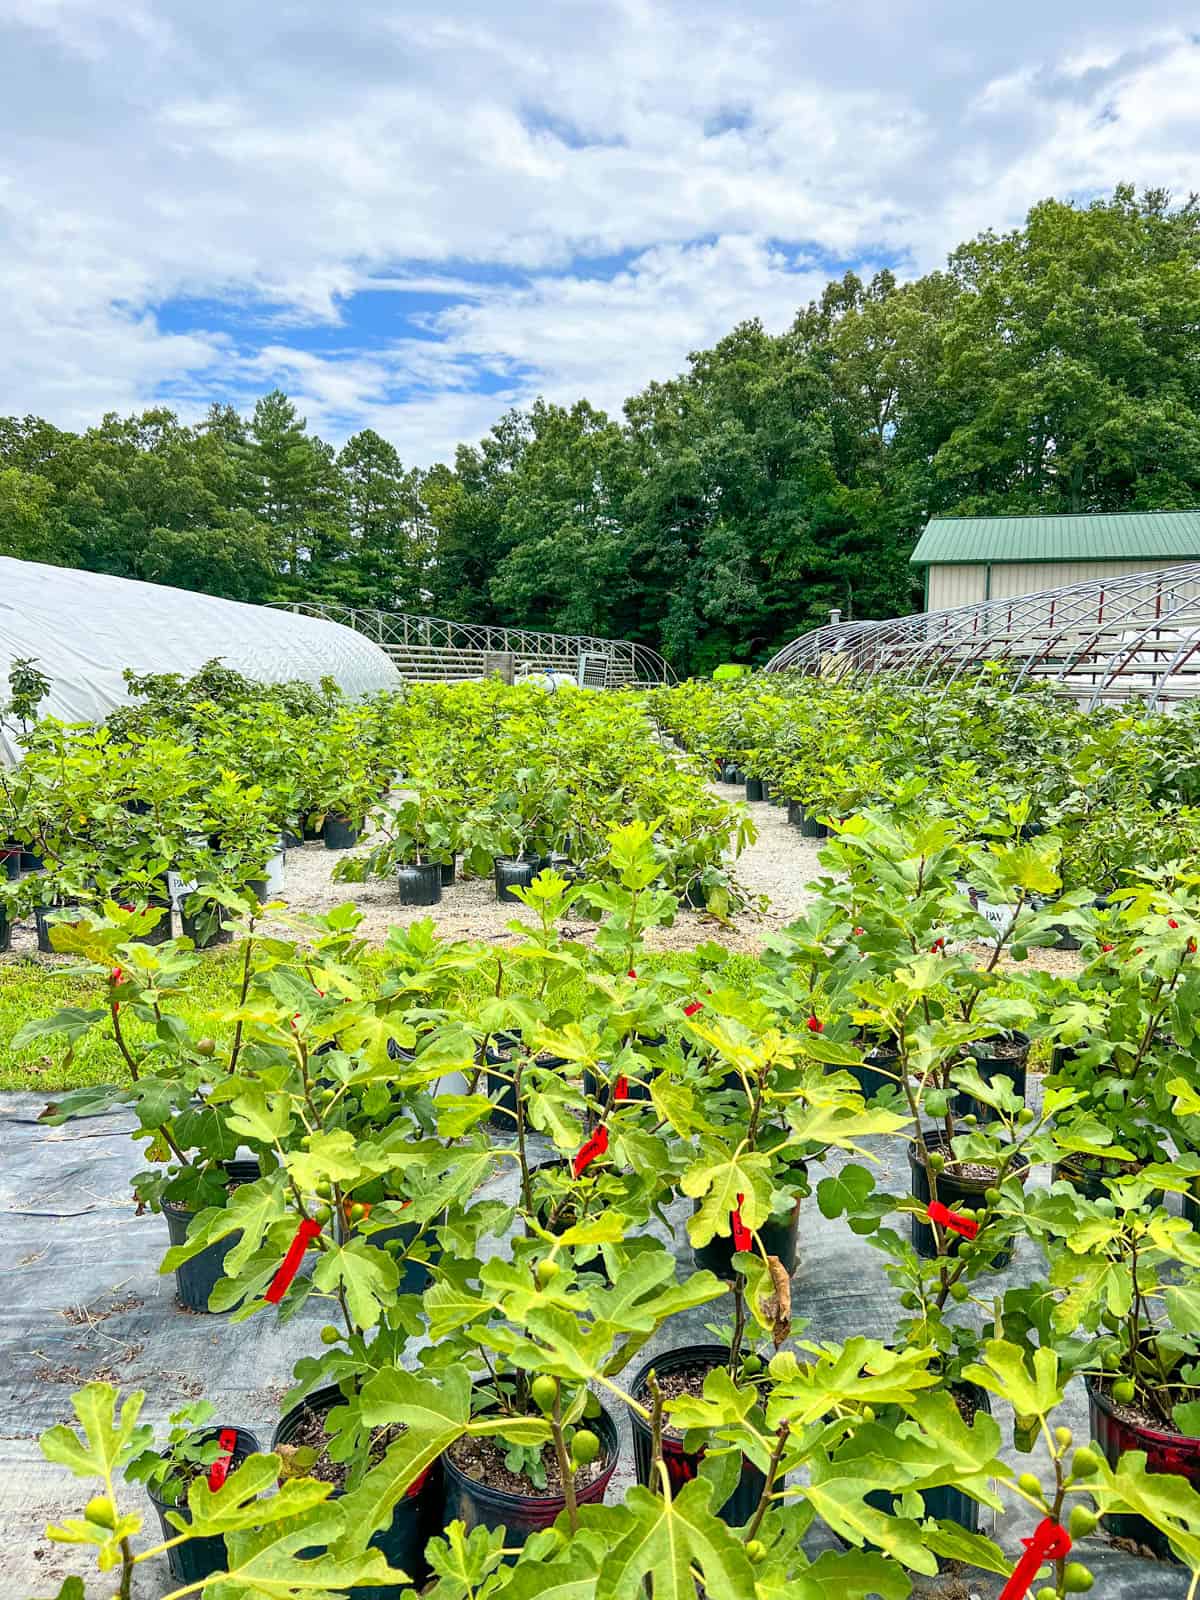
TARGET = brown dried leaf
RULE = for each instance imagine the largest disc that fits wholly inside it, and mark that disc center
(776, 1308)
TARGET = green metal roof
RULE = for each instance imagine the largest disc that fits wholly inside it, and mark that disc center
(1092, 536)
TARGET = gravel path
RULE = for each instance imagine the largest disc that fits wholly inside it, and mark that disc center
(776, 871)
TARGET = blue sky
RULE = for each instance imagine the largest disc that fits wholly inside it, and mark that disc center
(411, 216)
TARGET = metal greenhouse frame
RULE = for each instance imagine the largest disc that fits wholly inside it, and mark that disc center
(436, 650)
(1107, 640)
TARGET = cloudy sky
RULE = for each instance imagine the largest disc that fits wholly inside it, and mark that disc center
(412, 216)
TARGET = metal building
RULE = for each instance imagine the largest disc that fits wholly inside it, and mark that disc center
(972, 560)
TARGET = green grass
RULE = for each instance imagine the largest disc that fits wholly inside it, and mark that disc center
(31, 989)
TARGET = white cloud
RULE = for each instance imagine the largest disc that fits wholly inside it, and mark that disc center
(277, 161)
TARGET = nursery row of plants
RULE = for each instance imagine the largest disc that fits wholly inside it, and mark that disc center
(502, 1206)
(1119, 786)
(211, 778)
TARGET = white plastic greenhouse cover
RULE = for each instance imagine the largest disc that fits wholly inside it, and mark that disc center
(85, 628)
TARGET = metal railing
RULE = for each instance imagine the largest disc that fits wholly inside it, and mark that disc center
(436, 650)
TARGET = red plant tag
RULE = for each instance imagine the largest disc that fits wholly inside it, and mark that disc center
(590, 1149)
(692, 1007)
(290, 1265)
(417, 1484)
(1050, 1542)
(743, 1239)
(621, 1089)
(967, 1226)
(219, 1471)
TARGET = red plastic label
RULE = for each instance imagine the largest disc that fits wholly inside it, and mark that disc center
(590, 1149)
(939, 1213)
(621, 1089)
(1050, 1542)
(691, 1009)
(290, 1265)
(219, 1471)
(743, 1239)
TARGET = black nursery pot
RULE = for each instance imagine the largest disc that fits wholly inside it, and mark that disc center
(203, 926)
(1092, 1181)
(946, 1503)
(45, 918)
(200, 1558)
(952, 1191)
(779, 1235)
(480, 1506)
(415, 1520)
(809, 827)
(447, 870)
(992, 1065)
(338, 833)
(1165, 1452)
(684, 1465)
(876, 1071)
(504, 1110)
(196, 1279)
(10, 855)
(31, 862)
(754, 789)
(734, 775)
(513, 874)
(5, 930)
(420, 883)
(161, 932)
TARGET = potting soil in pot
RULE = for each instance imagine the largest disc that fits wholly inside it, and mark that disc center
(483, 1459)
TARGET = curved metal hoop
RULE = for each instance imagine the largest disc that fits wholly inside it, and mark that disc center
(1136, 636)
(434, 649)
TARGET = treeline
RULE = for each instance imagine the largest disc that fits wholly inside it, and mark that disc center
(1054, 368)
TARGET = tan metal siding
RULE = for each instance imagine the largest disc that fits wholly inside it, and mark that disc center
(956, 584)
(1013, 578)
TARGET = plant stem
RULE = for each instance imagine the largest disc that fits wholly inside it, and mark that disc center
(565, 1470)
(772, 1473)
(656, 1420)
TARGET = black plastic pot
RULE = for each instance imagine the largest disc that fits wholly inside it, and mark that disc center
(448, 870)
(5, 930)
(10, 855)
(338, 833)
(161, 932)
(420, 883)
(1093, 1181)
(199, 1558)
(779, 1235)
(504, 1109)
(512, 874)
(1173, 1453)
(479, 1506)
(683, 1465)
(990, 1066)
(415, 1520)
(196, 1279)
(809, 827)
(952, 1191)
(945, 1503)
(876, 1072)
(46, 916)
(596, 1090)
(291, 839)
(414, 1275)
(203, 926)
(30, 862)
(734, 775)
(754, 789)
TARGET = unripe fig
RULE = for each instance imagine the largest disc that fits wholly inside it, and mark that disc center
(756, 1551)
(329, 1334)
(585, 1446)
(544, 1391)
(959, 1290)
(1083, 1521)
(206, 1047)
(1030, 1484)
(1085, 1463)
(1064, 1436)
(1123, 1391)
(1076, 1578)
(1024, 1117)
(100, 1511)
(546, 1270)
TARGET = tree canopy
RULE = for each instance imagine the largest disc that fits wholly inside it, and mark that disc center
(1052, 368)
